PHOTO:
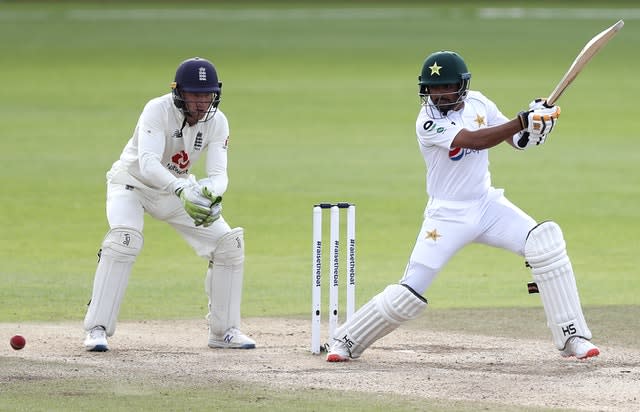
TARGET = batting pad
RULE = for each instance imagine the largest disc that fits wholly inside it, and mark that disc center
(545, 251)
(120, 248)
(380, 316)
(223, 283)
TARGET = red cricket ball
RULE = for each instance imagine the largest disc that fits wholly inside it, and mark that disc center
(17, 342)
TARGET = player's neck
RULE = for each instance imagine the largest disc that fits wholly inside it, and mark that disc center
(459, 107)
(191, 120)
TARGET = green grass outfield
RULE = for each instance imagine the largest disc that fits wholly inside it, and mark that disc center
(322, 102)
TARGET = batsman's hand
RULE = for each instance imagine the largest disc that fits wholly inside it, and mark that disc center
(539, 103)
(524, 139)
(536, 124)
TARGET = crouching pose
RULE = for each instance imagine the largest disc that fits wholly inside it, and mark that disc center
(152, 176)
(455, 127)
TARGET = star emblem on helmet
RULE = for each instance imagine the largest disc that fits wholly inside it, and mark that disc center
(480, 120)
(435, 69)
(433, 234)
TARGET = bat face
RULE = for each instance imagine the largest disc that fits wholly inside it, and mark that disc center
(588, 51)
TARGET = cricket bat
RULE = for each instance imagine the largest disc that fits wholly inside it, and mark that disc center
(586, 54)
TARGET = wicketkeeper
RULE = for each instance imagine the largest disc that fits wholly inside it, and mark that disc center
(152, 176)
(455, 127)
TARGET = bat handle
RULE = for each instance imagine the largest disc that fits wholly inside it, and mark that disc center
(551, 100)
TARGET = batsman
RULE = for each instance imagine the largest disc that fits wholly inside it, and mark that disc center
(455, 128)
(152, 176)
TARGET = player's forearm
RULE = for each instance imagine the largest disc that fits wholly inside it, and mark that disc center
(216, 184)
(216, 168)
(487, 137)
(155, 174)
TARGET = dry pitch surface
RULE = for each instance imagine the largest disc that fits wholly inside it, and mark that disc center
(412, 362)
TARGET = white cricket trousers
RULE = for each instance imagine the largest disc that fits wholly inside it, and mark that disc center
(448, 226)
(126, 206)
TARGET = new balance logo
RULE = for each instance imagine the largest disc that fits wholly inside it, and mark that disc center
(228, 338)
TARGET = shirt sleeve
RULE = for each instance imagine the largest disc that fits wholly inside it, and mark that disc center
(436, 132)
(151, 144)
(494, 115)
(216, 160)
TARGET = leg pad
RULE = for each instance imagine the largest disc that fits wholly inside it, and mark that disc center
(119, 250)
(380, 316)
(545, 252)
(223, 283)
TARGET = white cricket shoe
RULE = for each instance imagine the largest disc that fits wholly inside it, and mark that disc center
(338, 352)
(232, 339)
(96, 340)
(580, 348)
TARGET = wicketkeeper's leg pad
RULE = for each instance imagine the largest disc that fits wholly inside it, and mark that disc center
(546, 254)
(223, 283)
(380, 316)
(120, 248)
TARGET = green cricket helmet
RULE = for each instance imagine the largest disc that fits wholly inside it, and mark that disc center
(443, 68)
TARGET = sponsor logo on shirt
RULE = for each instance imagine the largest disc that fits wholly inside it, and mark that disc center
(179, 163)
(197, 144)
(430, 126)
(457, 153)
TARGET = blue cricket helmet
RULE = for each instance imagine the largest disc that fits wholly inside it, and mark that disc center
(196, 75)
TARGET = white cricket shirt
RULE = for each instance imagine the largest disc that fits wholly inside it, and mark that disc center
(453, 173)
(161, 150)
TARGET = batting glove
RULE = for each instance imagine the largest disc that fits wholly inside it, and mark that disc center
(536, 125)
(539, 103)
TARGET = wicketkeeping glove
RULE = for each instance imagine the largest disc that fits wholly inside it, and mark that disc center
(536, 124)
(198, 202)
(215, 210)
